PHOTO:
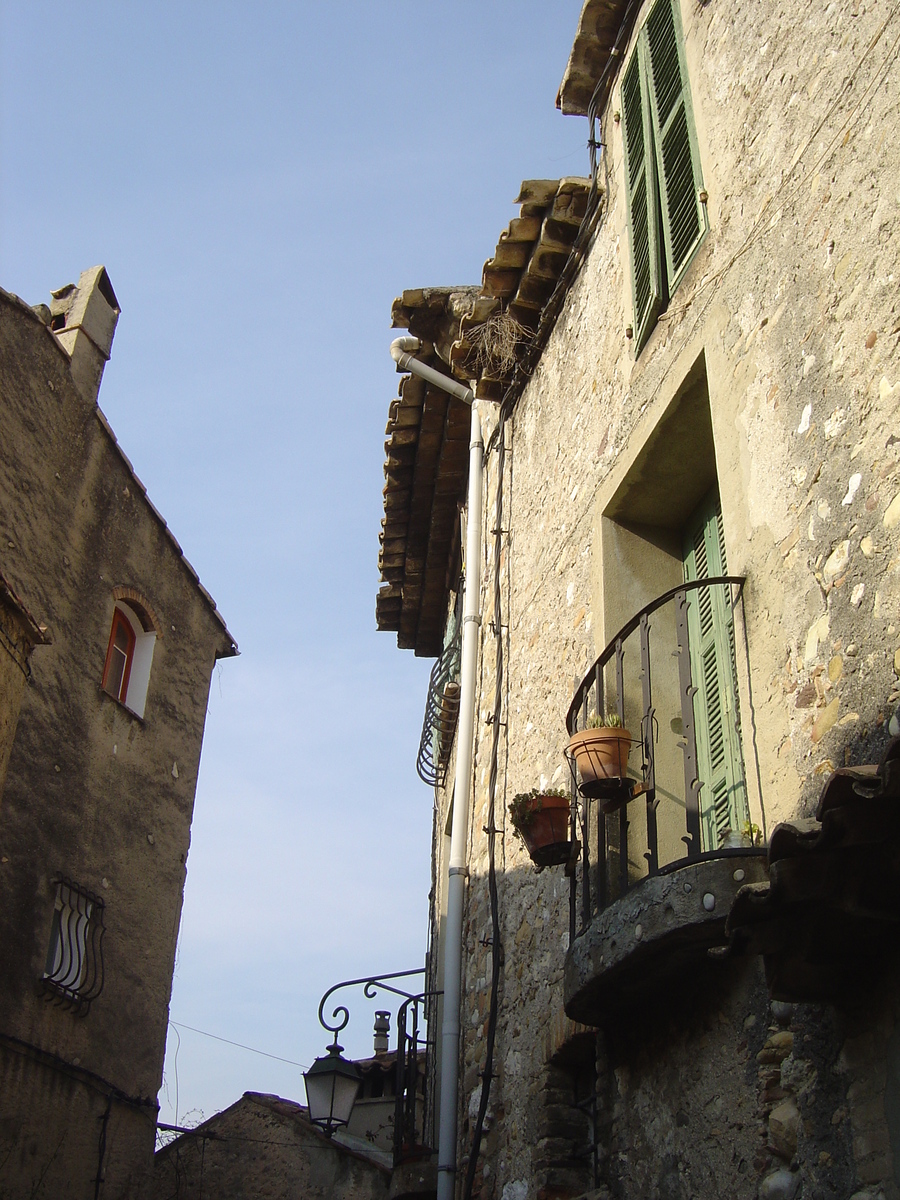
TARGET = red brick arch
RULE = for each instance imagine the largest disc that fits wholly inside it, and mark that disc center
(141, 606)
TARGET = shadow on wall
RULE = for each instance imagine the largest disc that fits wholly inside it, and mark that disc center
(669, 1097)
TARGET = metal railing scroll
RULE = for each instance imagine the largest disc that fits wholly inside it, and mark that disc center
(411, 1135)
(667, 683)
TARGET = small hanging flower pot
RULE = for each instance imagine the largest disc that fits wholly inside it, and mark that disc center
(541, 819)
(601, 755)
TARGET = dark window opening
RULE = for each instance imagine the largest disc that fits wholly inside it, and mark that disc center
(73, 974)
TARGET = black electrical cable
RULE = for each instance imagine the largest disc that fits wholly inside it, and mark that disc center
(521, 375)
(101, 1149)
(488, 1072)
(80, 1074)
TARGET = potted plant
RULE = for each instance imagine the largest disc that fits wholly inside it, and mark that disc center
(601, 754)
(541, 819)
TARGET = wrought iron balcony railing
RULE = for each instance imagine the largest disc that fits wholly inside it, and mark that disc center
(670, 678)
(441, 713)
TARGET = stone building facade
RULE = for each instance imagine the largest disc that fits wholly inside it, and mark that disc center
(107, 646)
(265, 1146)
(688, 368)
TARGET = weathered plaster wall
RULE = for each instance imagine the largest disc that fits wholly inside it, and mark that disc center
(790, 308)
(93, 792)
(16, 644)
(264, 1146)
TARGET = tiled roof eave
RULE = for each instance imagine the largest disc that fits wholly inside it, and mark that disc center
(426, 452)
(595, 41)
(425, 470)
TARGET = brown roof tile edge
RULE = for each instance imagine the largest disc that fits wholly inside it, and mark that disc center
(531, 257)
(518, 281)
(280, 1107)
(428, 439)
(595, 39)
(232, 649)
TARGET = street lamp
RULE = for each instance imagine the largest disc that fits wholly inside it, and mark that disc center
(332, 1085)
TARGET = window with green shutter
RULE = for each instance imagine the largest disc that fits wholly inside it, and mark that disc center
(723, 796)
(666, 217)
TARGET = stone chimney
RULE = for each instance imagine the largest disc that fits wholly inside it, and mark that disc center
(83, 319)
(382, 1030)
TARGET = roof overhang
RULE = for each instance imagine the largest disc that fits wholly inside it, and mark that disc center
(426, 455)
(518, 281)
(595, 43)
(478, 336)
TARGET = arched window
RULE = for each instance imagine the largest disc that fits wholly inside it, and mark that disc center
(129, 655)
(119, 656)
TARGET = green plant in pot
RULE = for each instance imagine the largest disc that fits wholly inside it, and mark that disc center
(541, 819)
(601, 754)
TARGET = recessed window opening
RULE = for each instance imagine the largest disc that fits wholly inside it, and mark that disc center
(119, 657)
(663, 528)
(74, 970)
(129, 656)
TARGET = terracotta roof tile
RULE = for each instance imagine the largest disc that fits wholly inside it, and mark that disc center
(426, 451)
(598, 28)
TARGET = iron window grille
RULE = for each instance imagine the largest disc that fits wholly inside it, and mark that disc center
(73, 976)
(441, 707)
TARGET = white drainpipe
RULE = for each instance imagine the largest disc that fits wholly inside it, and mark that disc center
(456, 890)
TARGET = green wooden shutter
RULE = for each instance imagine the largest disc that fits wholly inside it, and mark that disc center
(641, 190)
(678, 163)
(723, 796)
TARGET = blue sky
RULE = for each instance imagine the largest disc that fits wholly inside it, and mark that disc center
(261, 180)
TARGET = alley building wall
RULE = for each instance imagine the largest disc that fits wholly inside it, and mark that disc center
(96, 810)
(773, 375)
(264, 1145)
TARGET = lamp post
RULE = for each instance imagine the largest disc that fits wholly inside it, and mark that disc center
(333, 1083)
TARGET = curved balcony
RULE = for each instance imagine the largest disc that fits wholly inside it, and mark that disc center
(668, 839)
(441, 714)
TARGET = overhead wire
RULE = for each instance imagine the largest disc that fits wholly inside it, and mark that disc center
(522, 373)
(240, 1045)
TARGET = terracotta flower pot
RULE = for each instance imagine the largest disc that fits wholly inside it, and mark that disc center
(601, 756)
(546, 835)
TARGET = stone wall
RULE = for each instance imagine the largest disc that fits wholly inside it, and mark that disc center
(94, 794)
(18, 636)
(264, 1146)
(789, 315)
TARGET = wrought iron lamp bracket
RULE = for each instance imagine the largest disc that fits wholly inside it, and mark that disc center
(371, 985)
